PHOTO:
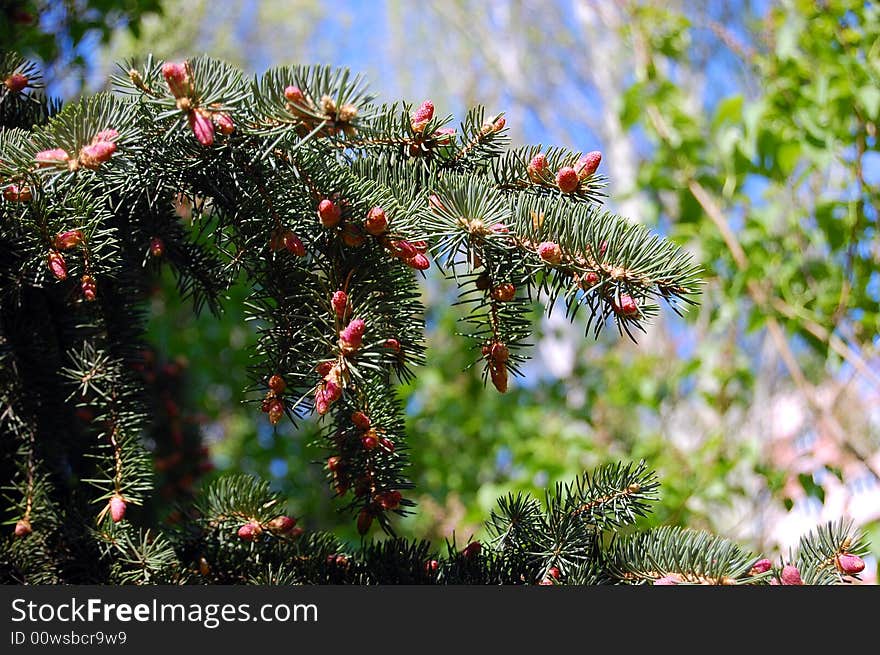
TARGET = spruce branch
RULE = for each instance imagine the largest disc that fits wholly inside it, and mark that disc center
(831, 554)
(141, 558)
(329, 204)
(680, 556)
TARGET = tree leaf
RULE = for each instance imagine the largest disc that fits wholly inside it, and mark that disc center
(869, 97)
(729, 110)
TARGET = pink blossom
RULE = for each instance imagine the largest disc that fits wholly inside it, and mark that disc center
(351, 337)
(57, 265)
(403, 249)
(22, 528)
(332, 392)
(16, 193)
(250, 531)
(293, 244)
(68, 239)
(626, 306)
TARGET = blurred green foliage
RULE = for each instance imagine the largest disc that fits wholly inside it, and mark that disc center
(53, 30)
(786, 161)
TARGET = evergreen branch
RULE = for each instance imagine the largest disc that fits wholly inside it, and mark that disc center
(326, 203)
(830, 554)
(682, 557)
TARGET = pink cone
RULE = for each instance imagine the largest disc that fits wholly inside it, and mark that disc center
(202, 127)
(361, 420)
(322, 405)
(282, 524)
(105, 135)
(422, 115)
(761, 566)
(67, 240)
(177, 78)
(404, 249)
(117, 508)
(89, 288)
(57, 265)
(444, 135)
(350, 338)
(419, 262)
(277, 384)
(389, 499)
(339, 301)
(250, 531)
(52, 157)
(293, 244)
(589, 280)
(791, 575)
(293, 94)
(377, 221)
(667, 581)
(627, 305)
(276, 411)
(16, 193)
(16, 82)
(550, 252)
(537, 166)
(567, 179)
(224, 123)
(329, 213)
(96, 154)
(332, 392)
(850, 564)
(588, 164)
